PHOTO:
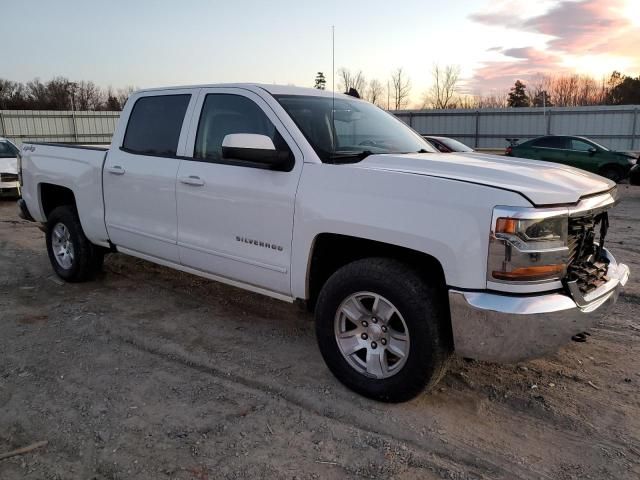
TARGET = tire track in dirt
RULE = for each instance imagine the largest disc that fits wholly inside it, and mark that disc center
(446, 459)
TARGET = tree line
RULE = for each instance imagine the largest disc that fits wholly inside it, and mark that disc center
(575, 91)
(447, 90)
(60, 93)
(395, 95)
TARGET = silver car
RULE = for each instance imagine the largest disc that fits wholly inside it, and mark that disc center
(9, 184)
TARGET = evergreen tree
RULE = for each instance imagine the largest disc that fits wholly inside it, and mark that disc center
(518, 95)
(321, 82)
(541, 99)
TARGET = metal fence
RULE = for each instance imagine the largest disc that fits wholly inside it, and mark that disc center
(57, 126)
(617, 127)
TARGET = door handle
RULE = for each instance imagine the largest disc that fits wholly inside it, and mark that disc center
(116, 170)
(192, 180)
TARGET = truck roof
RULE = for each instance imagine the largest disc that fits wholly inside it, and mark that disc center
(273, 89)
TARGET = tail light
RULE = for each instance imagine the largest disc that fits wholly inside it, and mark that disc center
(509, 151)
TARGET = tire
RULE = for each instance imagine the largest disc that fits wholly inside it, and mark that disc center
(411, 306)
(73, 257)
(612, 172)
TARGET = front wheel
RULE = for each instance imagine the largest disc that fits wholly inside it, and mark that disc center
(613, 172)
(73, 257)
(382, 331)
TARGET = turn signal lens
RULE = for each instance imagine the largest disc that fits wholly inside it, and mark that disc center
(507, 225)
(543, 272)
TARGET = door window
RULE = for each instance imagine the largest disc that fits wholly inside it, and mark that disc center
(550, 142)
(154, 125)
(580, 145)
(224, 114)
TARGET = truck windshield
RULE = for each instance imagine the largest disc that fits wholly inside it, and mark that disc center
(356, 128)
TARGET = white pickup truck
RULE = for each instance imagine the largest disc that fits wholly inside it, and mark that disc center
(405, 255)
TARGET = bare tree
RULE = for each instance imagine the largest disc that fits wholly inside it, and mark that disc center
(375, 92)
(493, 100)
(124, 94)
(443, 90)
(401, 89)
(466, 102)
(88, 96)
(348, 80)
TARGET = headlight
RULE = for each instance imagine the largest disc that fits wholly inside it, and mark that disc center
(526, 246)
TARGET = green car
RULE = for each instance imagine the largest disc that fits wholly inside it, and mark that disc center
(576, 152)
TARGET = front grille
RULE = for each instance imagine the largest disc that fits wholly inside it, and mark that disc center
(8, 177)
(586, 265)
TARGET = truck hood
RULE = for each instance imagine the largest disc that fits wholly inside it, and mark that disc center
(542, 183)
(8, 165)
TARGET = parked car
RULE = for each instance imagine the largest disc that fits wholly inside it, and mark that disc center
(447, 145)
(634, 174)
(577, 152)
(404, 254)
(9, 184)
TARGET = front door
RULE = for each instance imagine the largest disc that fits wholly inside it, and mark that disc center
(235, 219)
(581, 154)
(139, 177)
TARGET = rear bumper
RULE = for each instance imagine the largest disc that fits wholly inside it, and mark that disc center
(510, 328)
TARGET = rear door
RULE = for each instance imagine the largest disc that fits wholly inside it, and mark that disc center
(140, 171)
(235, 219)
(550, 149)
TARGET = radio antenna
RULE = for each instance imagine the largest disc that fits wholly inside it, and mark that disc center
(333, 87)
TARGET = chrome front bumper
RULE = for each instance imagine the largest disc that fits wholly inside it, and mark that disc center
(510, 328)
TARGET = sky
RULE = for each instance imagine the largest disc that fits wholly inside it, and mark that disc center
(147, 43)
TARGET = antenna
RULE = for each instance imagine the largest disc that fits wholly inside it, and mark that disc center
(333, 87)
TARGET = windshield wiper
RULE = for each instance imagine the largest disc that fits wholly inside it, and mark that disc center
(422, 150)
(357, 156)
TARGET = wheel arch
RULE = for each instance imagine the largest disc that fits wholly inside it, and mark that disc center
(52, 196)
(331, 251)
(602, 169)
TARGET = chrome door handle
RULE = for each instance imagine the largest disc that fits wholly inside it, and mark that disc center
(193, 180)
(116, 170)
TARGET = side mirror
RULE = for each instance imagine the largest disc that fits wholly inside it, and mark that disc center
(252, 147)
(593, 151)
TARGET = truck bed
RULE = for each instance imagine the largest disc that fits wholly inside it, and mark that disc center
(75, 167)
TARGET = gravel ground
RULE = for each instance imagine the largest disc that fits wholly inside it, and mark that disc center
(149, 373)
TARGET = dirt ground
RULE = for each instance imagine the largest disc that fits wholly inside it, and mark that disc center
(149, 373)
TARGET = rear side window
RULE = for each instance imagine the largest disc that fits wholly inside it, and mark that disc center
(154, 125)
(224, 114)
(550, 142)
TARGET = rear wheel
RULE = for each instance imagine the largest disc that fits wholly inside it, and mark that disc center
(73, 257)
(382, 330)
(612, 172)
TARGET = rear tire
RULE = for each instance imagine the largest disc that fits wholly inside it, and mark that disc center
(363, 312)
(73, 257)
(612, 172)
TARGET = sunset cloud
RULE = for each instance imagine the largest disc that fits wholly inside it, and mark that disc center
(587, 36)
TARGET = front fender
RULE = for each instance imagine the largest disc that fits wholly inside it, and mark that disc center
(447, 219)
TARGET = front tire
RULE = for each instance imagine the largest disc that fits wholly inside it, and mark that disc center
(73, 257)
(613, 172)
(383, 331)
